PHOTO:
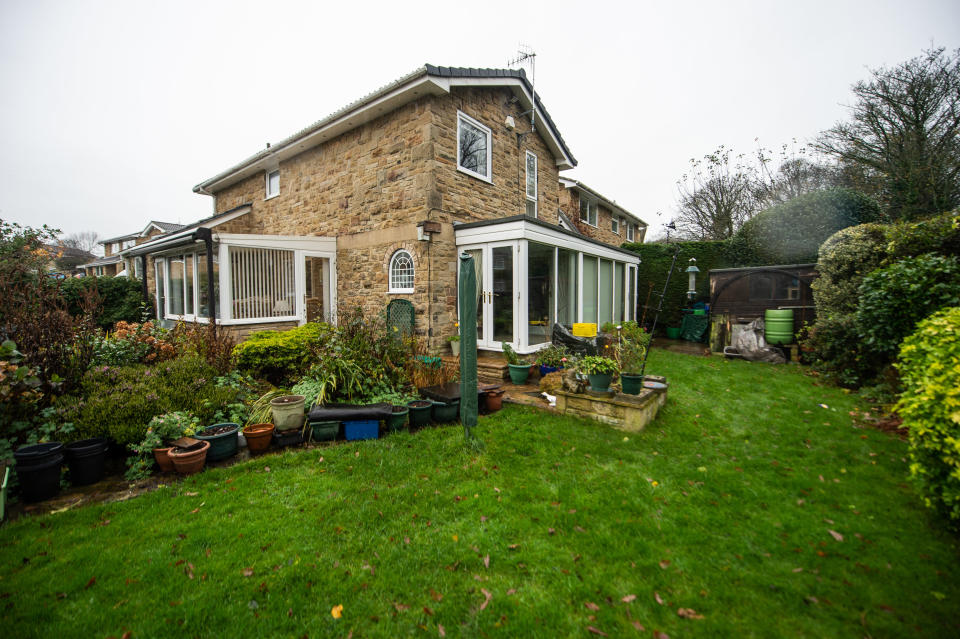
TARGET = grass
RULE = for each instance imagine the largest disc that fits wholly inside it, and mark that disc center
(547, 527)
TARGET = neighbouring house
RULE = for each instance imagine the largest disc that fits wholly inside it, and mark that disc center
(113, 264)
(373, 204)
(67, 261)
(583, 209)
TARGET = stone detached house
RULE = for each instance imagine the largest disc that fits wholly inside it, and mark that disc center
(374, 203)
(113, 264)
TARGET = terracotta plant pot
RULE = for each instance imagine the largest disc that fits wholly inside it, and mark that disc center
(258, 437)
(162, 455)
(495, 400)
(188, 462)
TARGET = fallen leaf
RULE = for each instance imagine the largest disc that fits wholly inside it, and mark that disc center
(664, 563)
(512, 591)
(798, 570)
(835, 535)
(92, 581)
(337, 611)
(591, 606)
(628, 598)
(441, 631)
(486, 561)
(597, 631)
(638, 626)
(126, 635)
(289, 612)
(488, 596)
(427, 611)
(266, 469)
(551, 531)
(513, 546)
(811, 600)
(190, 494)
(119, 603)
(660, 635)
(400, 607)
(248, 572)
(656, 595)
(436, 596)
(688, 613)
(188, 571)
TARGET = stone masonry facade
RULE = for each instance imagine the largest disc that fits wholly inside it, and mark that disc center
(371, 186)
(603, 232)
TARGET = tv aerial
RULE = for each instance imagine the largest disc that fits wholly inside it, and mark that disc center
(526, 54)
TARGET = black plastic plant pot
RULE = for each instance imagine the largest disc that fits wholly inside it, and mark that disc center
(86, 459)
(288, 437)
(444, 412)
(420, 412)
(38, 470)
(398, 418)
(223, 440)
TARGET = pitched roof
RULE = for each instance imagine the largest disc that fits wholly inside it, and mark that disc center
(426, 80)
(607, 202)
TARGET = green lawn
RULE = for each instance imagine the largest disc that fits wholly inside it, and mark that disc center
(752, 502)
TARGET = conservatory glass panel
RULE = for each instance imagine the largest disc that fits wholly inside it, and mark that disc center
(589, 289)
(204, 300)
(539, 292)
(566, 287)
(631, 294)
(606, 292)
(175, 285)
(188, 284)
(502, 257)
(262, 282)
(618, 292)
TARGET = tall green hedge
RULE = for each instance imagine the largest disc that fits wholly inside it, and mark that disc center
(655, 263)
(121, 298)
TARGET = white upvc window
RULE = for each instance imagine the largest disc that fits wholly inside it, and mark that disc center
(531, 184)
(629, 231)
(272, 184)
(262, 283)
(474, 148)
(401, 272)
(615, 224)
(588, 210)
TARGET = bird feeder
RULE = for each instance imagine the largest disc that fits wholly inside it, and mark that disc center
(692, 271)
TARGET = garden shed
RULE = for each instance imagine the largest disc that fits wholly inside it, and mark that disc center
(740, 295)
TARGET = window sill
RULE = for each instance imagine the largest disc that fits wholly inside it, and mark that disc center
(589, 224)
(401, 291)
(482, 178)
(270, 197)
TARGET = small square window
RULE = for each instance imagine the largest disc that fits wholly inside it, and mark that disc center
(273, 183)
(473, 147)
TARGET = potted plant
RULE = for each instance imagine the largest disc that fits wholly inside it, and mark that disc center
(258, 436)
(631, 362)
(552, 358)
(162, 430)
(599, 371)
(519, 366)
(454, 344)
(420, 412)
(223, 440)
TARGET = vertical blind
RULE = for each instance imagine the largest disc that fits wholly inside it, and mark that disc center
(262, 283)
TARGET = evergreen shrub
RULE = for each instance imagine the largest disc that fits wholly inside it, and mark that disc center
(281, 356)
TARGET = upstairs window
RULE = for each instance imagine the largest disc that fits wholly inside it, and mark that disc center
(629, 231)
(273, 184)
(401, 272)
(615, 224)
(473, 147)
(588, 211)
(531, 184)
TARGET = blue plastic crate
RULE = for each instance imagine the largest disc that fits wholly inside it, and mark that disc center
(361, 429)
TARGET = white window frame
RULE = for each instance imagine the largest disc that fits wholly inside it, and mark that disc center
(591, 205)
(464, 118)
(390, 281)
(266, 186)
(630, 234)
(531, 198)
(615, 224)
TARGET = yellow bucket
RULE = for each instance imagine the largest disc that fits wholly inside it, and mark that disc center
(585, 330)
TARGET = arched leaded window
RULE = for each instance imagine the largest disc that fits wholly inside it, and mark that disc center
(401, 272)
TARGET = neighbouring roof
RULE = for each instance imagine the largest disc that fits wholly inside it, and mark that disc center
(186, 234)
(605, 201)
(426, 80)
(120, 238)
(103, 261)
(165, 227)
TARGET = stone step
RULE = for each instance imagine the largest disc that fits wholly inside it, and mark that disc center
(490, 370)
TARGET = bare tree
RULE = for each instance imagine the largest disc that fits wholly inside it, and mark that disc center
(84, 240)
(716, 196)
(902, 144)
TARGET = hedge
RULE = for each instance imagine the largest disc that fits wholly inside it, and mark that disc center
(121, 298)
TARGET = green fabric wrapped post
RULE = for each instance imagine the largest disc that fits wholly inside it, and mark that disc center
(468, 344)
(693, 328)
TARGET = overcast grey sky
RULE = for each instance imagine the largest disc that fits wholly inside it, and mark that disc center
(112, 111)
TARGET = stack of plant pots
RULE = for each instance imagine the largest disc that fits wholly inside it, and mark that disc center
(288, 419)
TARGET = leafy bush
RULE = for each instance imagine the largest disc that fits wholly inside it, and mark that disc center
(893, 299)
(555, 356)
(635, 333)
(281, 356)
(837, 352)
(929, 366)
(215, 346)
(133, 343)
(938, 234)
(845, 258)
(119, 402)
(121, 298)
(792, 232)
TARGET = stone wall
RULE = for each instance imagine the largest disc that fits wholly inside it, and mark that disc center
(570, 203)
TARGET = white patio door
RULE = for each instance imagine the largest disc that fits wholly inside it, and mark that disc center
(317, 288)
(497, 292)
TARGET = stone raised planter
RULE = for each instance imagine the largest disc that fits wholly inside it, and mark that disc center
(625, 412)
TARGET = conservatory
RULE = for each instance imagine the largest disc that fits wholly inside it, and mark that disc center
(531, 274)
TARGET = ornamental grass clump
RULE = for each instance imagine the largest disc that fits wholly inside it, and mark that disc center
(929, 367)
